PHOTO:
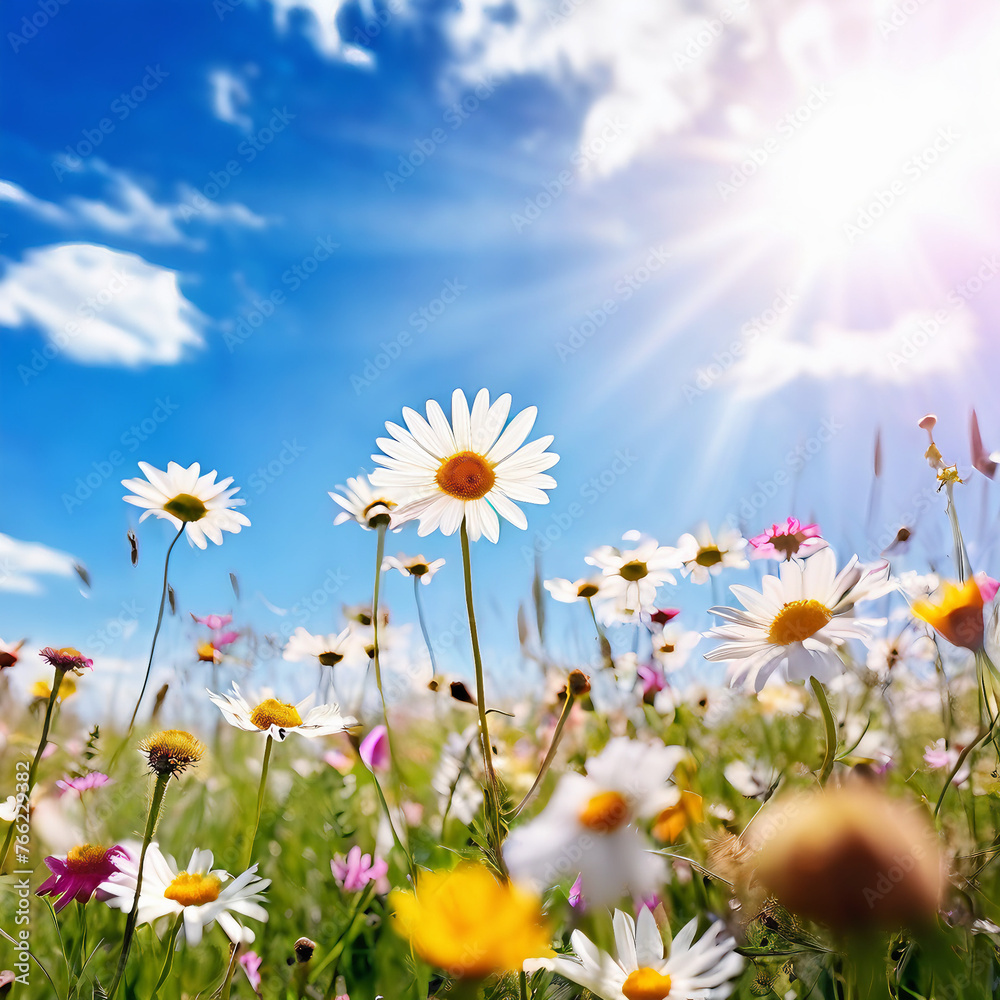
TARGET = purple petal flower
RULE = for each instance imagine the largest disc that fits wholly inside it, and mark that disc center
(250, 961)
(374, 749)
(84, 783)
(355, 871)
(213, 621)
(576, 899)
(78, 875)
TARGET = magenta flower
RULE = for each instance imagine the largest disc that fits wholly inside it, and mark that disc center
(374, 749)
(355, 871)
(988, 587)
(214, 622)
(664, 615)
(78, 875)
(225, 639)
(66, 659)
(83, 784)
(250, 961)
(652, 681)
(576, 893)
(783, 541)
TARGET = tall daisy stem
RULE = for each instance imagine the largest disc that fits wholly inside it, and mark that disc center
(484, 728)
(156, 632)
(423, 623)
(553, 746)
(831, 730)
(168, 954)
(601, 637)
(154, 812)
(260, 800)
(42, 742)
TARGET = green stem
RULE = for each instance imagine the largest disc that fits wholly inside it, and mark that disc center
(484, 729)
(981, 737)
(32, 772)
(831, 730)
(423, 624)
(154, 812)
(156, 633)
(522, 981)
(260, 799)
(168, 955)
(961, 555)
(601, 636)
(392, 829)
(345, 939)
(553, 746)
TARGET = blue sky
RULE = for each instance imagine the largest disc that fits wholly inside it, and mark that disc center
(642, 218)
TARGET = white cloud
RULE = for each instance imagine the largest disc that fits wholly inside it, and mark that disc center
(128, 210)
(229, 93)
(101, 306)
(916, 346)
(21, 562)
(323, 27)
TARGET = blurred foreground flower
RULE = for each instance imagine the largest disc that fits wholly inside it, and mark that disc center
(469, 924)
(956, 612)
(188, 500)
(78, 874)
(9, 653)
(196, 892)
(467, 469)
(704, 968)
(798, 621)
(374, 749)
(851, 858)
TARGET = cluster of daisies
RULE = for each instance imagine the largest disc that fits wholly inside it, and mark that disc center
(598, 838)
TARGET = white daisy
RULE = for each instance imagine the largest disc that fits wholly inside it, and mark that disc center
(704, 555)
(278, 718)
(571, 591)
(672, 647)
(417, 566)
(633, 574)
(364, 504)
(303, 646)
(798, 621)
(188, 499)
(589, 825)
(902, 654)
(197, 892)
(693, 970)
(467, 469)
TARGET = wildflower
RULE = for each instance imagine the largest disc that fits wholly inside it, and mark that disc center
(575, 897)
(469, 924)
(571, 591)
(413, 566)
(641, 971)
(198, 891)
(374, 749)
(188, 500)
(212, 650)
(672, 821)
(787, 541)
(899, 655)
(672, 647)
(42, 690)
(851, 858)
(93, 779)
(78, 875)
(171, 752)
(250, 963)
(9, 653)
(798, 621)
(704, 556)
(592, 819)
(328, 649)
(279, 719)
(955, 612)
(9, 809)
(214, 622)
(467, 469)
(355, 871)
(65, 659)
(364, 504)
(939, 756)
(633, 574)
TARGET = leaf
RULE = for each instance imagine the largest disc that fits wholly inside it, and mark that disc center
(172, 599)
(134, 546)
(235, 584)
(81, 572)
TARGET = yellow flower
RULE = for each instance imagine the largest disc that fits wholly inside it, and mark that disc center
(675, 819)
(956, 613)
(43, 690)
(469, 924)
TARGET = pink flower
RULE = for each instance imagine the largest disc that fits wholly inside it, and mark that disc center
(664, 615)
(938, 756)
(374, 749)
(213, 622)
(78, 875)
(988, 587)
(225, 639)
(66, 658)
(355, 871)
(782, 541)
(82, 784)
(339, 760)
(652, 681)
(250, 961)
(576, 893)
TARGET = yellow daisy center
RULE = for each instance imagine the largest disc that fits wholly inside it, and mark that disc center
(272, 712)
(586, 590)
(85, 858)
(171, 751)
(798, 620)
(186, 507)
(466, 476)
(707, 556)
(633, 571)
(646, 984)
(330, 659)
(604, 812)
(193, 889)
